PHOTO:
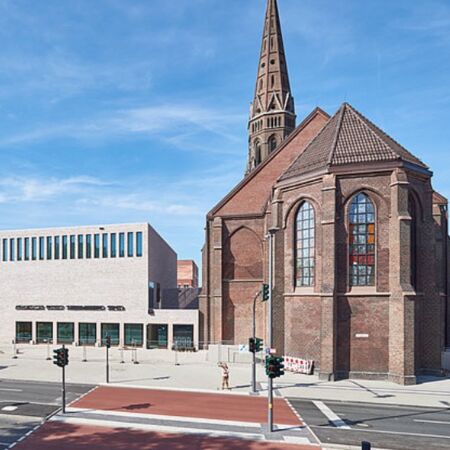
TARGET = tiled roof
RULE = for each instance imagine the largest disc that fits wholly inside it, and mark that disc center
(349, 138)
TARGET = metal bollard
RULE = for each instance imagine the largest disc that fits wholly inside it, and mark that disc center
(84, 353)
(135, 356)
(365, 445)
(48, 350)
(14, 349)
(122, 361)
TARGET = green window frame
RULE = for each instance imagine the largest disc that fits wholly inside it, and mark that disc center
(134, 334)
(65, 332)
(87, 333)
(113, 331)
(24, 332)
(44, 332)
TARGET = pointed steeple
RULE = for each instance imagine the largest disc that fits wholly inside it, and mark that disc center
(272, 113)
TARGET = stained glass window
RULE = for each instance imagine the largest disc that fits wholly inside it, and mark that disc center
(305, 246)
(362, 241)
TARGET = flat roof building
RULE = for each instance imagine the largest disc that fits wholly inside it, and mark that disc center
(187, 273)
(77, 285)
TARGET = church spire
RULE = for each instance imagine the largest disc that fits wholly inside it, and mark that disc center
(272, 113)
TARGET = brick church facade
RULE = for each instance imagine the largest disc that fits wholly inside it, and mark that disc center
(360, 236)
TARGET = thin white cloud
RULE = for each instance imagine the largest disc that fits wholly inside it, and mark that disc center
(169, 122)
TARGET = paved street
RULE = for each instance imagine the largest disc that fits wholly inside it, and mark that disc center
(24, 405)
(61, 436)
(387, 427)
(156, 417)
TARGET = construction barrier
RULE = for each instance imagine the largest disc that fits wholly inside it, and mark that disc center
(298, 365)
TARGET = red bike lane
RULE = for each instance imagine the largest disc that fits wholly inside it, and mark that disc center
(240, 408)
(62, 436)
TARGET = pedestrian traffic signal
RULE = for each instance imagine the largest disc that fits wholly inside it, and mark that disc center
(258, 345)
(61, 357)
(265, 292)
(108, 341)
(274, 366)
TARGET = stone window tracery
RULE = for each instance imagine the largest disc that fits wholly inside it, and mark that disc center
(362, 241)
(305, 246)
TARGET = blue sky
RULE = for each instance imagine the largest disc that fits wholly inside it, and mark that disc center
(136, 110)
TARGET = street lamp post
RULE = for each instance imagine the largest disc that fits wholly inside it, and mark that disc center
(272, 232)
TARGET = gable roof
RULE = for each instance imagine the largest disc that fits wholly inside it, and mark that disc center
(349, 138)
(254, 173)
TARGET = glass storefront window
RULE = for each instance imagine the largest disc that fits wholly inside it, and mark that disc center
(157, 335)
(65, 333)
(113, 331)
(44, 332)
(134, 334)
(24, 332)
(87, 333)
(183, 336)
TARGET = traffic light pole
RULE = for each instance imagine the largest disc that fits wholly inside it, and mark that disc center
(270, 334)
(63, 393)
(254, 340)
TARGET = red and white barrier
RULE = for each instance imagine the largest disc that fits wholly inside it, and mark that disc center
(298, 365)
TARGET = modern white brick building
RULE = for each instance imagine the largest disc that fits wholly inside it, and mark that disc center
(77, 285)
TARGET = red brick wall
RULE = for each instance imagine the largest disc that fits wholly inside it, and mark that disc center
(363, 315)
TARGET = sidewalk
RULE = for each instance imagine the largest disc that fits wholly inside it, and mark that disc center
(157, 368)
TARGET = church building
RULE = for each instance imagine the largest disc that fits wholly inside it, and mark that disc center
(360, 281)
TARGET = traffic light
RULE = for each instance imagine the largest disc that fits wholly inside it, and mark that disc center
(61, 357)
(108, 341)
(251, 345)
(258, 345)
(274, 366)
(265, 292)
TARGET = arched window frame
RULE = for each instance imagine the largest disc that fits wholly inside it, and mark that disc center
(412, 209)
(258, 156)
(272, 143)
(305, 245)
(362, 241)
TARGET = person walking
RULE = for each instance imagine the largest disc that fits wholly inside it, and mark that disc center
(225, 375)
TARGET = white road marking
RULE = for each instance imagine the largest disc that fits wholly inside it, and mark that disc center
(154, 428)
(432, 421)
(11, 390)
(398, 433)
(9, 408)
(297, 440)
(173, 418)
(331, 416)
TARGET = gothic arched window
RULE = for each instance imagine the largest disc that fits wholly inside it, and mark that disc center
(272, 143)
(413, 236)
(257, 153)
(305, 240)
(362, 241)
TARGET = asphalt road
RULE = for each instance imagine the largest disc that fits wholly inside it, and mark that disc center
(387, 427)
(24, 405)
